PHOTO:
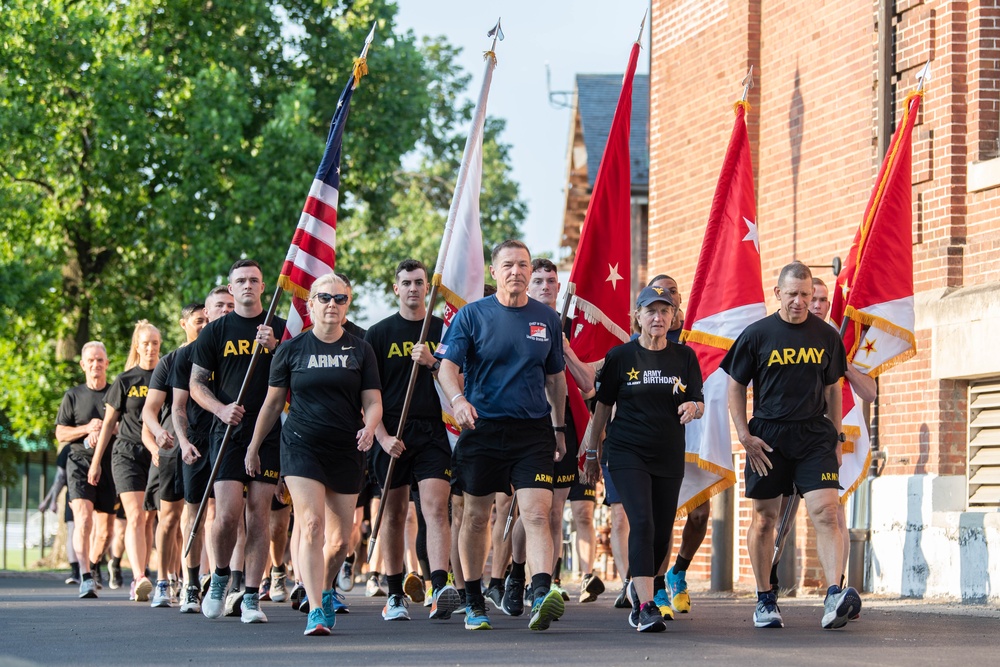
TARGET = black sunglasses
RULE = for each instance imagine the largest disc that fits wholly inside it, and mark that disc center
(324, 298)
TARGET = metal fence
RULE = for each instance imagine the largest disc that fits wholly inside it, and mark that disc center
(23, 528)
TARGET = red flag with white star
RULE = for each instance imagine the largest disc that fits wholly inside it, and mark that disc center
(601, 273)
(875, 288)
(726, 295)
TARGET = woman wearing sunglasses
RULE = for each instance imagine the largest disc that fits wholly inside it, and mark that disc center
(335, 403)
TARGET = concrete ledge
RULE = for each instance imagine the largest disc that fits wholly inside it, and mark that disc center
(961, 320)
(983, 175)
(923, 545)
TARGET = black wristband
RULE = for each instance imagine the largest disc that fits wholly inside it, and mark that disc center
(435, 366)
(559, 429)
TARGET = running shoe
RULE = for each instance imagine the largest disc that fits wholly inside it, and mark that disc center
(372, 589)
(633, 599)
(234, 602)
(215, 602)
(529, 594)
(767, 614)
(339, 603)
(143, 587)
(191, 604)
(590, 588)
(546, 609)
(88, 589)
(98, 579)
(250, 609)
(650, 619)
(679, 598)
(444, 602)
(73, 579)
(562, 591)
(345, 578)
(476, 617)
(494, 594)
(621, 602)
(662, 600)
(203, 583)
(328, 603)
(512, 603)
(265, 590)
(413, 586)
(396, 608)
(161, 596)
(298, 592)
(115, 580)
(131, 591)
(279, 587)
(839, 606)
(304, 604)
(429, 595)
(316, 624)
(174, 590)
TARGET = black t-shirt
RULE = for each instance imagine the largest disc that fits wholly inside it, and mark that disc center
(224, 348)
(789, 365)
(354, 329)
(199, 419)
(127, 395)
(393, 339)
(326, 381)
(161, 380)
(648, 386)
(79, 405)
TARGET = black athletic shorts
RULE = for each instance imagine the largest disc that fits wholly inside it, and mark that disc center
(103, 496)
(166, 482)
(581, 491)
(427, 455)
(130, 463)
(565, 471)
(234, 468)
(805, 453)
(457, 488)
(368, 488)
(499, 453)
(196, 475)
(339, 468)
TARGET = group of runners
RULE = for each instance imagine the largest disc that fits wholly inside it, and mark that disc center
(539, 427)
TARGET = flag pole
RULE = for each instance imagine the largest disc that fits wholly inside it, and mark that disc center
(360, 69)
(497, 34)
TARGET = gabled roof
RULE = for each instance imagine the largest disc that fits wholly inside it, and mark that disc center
(597, 97)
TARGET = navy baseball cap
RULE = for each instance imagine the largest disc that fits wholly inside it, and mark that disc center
(650, 295)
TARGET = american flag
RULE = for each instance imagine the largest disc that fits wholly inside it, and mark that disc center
(313, 251)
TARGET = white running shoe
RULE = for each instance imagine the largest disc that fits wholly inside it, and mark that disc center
(191, 604)
(279, 587)
(161, 596)
(215, 602)
(396, 609)
(88, 589)
(345, 579)
(250, 610)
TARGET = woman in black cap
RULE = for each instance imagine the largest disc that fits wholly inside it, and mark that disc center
(656, 388)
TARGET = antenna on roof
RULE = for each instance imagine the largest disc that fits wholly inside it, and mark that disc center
(558, 99)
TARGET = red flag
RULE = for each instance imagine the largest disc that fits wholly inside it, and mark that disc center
(726, 296)
(601, 274)
(875, 288)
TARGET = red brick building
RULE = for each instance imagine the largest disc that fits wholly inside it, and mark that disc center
(830, 78)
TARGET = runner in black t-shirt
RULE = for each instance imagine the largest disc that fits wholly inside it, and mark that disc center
(192, 428)
(656, 387)
(130, 460)
(165, 479)
(225, 348)
(796, 362)
(78, 423)
(335, 405)
(423, 455)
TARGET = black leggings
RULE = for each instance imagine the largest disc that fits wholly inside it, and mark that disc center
(650, 504)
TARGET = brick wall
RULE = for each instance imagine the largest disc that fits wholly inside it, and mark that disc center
(814, 136)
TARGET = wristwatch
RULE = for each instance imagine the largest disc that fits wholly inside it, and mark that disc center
(435, 366)
(841, 437)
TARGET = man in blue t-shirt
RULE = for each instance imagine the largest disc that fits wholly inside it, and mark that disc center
(509, 348)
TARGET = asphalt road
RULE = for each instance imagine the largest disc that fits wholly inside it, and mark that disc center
(42, 622)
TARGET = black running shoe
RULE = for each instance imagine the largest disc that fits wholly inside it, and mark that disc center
(495, 595)
(512, 603)
(621, 602)
(633, 599)
(650, 619)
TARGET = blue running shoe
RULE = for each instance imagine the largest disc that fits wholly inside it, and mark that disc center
(546, 609)
(316, 624)
(476, 617)
(679, 598)
(329, 607)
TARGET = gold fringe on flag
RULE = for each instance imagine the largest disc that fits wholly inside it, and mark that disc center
(490, 54)
(360, 69)
(741, 103)
(721, 342)
(861, 478)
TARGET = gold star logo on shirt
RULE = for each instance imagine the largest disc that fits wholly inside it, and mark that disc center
(633, 374)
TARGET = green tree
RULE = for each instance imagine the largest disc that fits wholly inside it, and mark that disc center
(149, 143)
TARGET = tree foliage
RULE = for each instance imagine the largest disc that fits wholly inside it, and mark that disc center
(149, 143)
